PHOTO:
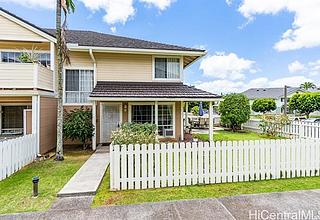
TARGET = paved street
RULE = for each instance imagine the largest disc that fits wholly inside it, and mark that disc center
(286, 205)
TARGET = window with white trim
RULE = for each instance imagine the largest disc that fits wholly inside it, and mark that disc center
(167, 68)
(78, 85)
(165, 120)
(146, 114)
(13, 57)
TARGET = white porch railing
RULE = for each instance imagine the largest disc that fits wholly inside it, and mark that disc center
(16, 153)
(180, 164)
(25, 76)
(294, 129)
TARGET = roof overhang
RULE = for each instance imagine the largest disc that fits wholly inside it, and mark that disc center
(28, 26)
(142, 99)
(75, 47)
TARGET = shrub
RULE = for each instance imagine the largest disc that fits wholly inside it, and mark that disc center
(195, 110)
(264, 105)
(78, 125)
(234, 110)
(272, 125)
(134, 133)
(305, 103)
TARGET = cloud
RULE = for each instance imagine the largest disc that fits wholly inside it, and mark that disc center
(295, 66)
(113, 29)
(229, 2)
(228, 86)
(304, 32)
(44, 4)
(311, 69)
(116, 11)
(160, 4)
(224, 66)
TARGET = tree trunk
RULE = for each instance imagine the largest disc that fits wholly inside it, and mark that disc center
(59, 150)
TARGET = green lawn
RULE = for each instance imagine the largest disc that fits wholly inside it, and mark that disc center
(233, 136)
(106, 197)
(16, 191)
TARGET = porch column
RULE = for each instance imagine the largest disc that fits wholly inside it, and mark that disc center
(36, 119)
(186, 123)
(181, 123)
(210, 122)
(52, 64)
(94, 122)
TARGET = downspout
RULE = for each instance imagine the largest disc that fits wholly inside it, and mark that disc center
(94, 67)
(94, 104)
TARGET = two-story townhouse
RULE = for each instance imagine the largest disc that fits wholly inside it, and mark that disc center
(121, 79)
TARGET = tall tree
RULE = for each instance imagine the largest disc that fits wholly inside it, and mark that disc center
(67, 6)
(308, 85)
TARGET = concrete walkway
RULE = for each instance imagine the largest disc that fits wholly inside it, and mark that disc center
(286, 205)
(88, 178)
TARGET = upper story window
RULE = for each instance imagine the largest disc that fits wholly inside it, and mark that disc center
(78, 85)
(13, 57)
(167, 68)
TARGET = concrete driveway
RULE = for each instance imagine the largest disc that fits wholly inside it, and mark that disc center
(286, 205)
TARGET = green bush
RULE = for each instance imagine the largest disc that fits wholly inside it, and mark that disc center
(78, 126)
(305, 103)
(134, 133)
(234, 110)
(195, 110)
(264, 105)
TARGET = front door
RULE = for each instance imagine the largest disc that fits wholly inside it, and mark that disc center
(111, 120)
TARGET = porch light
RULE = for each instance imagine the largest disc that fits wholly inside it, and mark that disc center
(125, 107)
(35, 181)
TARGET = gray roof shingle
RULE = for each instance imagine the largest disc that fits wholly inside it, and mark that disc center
(274, 93)
(148, 90)
(95, 39)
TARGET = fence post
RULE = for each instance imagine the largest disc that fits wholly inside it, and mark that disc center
(301, 129)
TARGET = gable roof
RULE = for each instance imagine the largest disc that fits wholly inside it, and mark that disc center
(144, 90)
(274, 93)
(96, 39)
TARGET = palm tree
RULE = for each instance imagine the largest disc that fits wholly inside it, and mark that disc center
(308, 85)
(62, 53)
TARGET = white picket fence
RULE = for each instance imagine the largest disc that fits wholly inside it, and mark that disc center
(294, 129)
(16, 153)
(180, 164)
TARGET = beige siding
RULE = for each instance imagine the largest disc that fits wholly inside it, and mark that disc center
(18, 75)
(80, 60)
(45, 78)
(48, 124)
(13, 31)
(22, 75)
(123, 67)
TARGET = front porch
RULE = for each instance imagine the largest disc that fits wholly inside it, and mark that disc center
(163, 104)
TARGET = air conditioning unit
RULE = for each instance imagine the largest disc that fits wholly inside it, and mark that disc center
(168, 132)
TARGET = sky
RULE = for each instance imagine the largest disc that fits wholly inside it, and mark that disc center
(249, 43)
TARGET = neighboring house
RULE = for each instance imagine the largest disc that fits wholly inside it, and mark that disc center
(274, 93)
(121, 79)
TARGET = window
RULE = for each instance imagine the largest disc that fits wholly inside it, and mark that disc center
(13, 57)
(165, 120)
(167, 68)
(78, 85)
(10, 57)
(146, 114)
(143, 114)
